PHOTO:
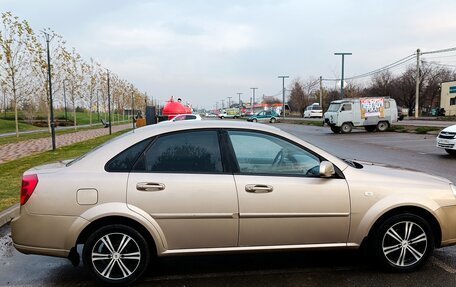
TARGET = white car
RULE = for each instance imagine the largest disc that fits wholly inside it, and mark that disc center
(447, 139)
(184, 117)
(313, 111)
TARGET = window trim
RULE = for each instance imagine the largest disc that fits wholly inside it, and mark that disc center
(237, 171)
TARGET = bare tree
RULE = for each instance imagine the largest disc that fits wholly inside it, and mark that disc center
(16, 60)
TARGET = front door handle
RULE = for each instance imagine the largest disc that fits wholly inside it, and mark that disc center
(149, 186)
(258, 188)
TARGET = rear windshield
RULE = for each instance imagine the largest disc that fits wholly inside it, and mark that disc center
(316, 108)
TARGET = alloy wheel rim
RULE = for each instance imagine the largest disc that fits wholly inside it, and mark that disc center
(116, 256)
(404, 244)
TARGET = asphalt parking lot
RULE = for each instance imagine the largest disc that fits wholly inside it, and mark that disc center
(316, 268)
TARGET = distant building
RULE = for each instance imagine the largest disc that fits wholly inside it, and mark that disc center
(448, 98)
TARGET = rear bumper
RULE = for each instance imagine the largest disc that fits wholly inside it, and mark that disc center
(45, 234)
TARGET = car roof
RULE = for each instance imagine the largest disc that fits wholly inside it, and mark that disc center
(98, 157)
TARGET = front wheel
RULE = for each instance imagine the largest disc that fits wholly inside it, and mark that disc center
(346, 128)
(403, 243)
(451, 151)
(116, 254)
(273, 120)
(254, 120)
(335, 129)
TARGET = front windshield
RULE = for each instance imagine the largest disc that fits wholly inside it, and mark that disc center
(333, 107)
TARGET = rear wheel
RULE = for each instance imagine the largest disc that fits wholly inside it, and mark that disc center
(273, 120)
(382, 126)
(335, 129)
(346, 128)
(116, 254)
(403, 242)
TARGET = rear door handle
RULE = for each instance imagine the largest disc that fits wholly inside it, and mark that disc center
(258, 188)
(149, 186)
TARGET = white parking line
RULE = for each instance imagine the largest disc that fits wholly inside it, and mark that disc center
(443, 265)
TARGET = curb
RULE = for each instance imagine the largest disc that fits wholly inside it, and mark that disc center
(7, 215)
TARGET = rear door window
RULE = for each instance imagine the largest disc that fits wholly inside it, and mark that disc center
(183, 152)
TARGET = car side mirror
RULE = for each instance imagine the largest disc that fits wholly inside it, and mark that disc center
(327, 169)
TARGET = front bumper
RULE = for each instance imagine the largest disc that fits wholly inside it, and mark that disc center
(447, 220)
(446, 143)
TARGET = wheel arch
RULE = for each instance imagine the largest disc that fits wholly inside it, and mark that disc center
(419, 211)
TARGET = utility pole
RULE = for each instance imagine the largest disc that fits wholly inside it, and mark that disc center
(239, 95)
(342, 78)
(321, 92)
(229, 102)
(48, 39)
(109, 104)
(253, 99)
(223, 105)
(417, 112)
(283, 94)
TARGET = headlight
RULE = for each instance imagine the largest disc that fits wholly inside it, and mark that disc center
(453, 188)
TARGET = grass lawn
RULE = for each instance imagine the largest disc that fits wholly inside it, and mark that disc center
(7, 126)
(11, 172)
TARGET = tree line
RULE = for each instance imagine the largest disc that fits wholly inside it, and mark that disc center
(24, 76)
(401, 87)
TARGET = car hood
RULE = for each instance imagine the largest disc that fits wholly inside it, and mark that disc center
(386, 173)
(451, 129)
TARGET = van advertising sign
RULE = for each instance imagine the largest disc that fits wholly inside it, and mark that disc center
(371, 107)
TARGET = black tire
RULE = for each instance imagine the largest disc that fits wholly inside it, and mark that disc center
(382, 126)
(370, 128)
(221, 118)
(451, 151)
(393, 247)
(273, 120)
(254, 120)
(99, 266)
(335, 129)
(346, 128)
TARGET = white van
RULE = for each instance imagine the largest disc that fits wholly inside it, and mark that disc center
(370, 113)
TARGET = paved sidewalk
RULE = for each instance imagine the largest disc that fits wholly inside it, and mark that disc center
(18, 150)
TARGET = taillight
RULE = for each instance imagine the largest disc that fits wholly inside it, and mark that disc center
(29, 183)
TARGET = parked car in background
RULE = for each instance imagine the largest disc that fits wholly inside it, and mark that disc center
(264, 116)
(447, 139)
(146, 194)
(313, 111)
(184, 117)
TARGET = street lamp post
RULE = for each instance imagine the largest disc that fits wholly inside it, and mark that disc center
(98, 106)
(283, 94)
(342, 78)
(253, 100)
(133, 108)
(109, 104)
(240, 113)
(48, 39)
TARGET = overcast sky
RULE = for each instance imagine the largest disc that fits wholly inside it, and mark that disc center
(206, 51)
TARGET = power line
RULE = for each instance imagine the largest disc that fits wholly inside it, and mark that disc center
(439, 51)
